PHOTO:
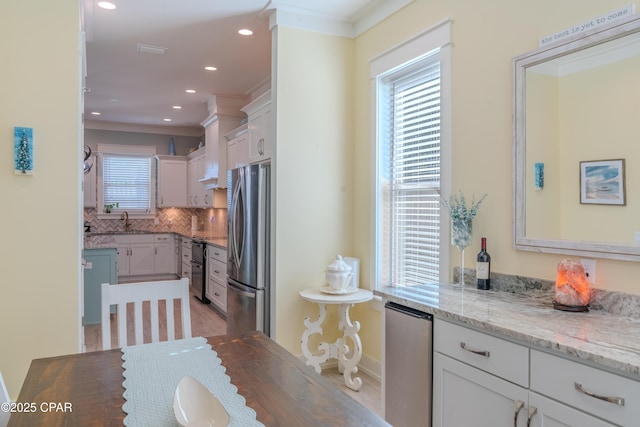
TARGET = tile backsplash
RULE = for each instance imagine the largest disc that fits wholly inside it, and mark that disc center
(211, 221)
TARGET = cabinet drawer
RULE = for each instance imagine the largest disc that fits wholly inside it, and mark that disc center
(557, 377)
(217, 253)
(218, 294)
(133, 238)
(163, 238)
(494, 355)
(217, 270)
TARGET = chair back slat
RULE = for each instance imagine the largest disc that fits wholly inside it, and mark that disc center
(137, 293)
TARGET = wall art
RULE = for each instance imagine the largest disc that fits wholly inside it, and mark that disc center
(23, 150)
(602, 182)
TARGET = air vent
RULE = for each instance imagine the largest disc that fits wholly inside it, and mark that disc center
(145, 48)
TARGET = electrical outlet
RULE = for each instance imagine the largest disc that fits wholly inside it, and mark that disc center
(590, 269)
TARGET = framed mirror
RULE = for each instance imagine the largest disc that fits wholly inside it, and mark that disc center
(576, 145)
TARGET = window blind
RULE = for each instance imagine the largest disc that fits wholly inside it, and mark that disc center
(411, 122)
(127, 181)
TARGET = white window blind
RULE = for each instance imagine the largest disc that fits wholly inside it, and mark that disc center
(127, 181)
(409, 117)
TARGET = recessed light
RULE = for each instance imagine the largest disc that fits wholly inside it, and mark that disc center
(245, 32)
(106, 5)
(177, 107)
(210, 68)
(166, 120)
(190, 91)
(95, 113)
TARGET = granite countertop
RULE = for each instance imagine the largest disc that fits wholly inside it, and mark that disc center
(106, 240)
(596, 337)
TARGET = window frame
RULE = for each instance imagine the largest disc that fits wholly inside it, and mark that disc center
(433, 39)
(125, 150)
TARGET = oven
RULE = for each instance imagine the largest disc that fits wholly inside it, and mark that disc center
(198, 269)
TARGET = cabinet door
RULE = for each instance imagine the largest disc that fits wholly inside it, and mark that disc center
(164, 262)
(141, 258)
(89, 187)
(123, 260)
(466, 396)
(259, 131)
(545, 412)
(172, 183)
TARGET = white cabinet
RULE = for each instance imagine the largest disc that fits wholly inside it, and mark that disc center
(216, 289)
(145, 254)
(172, 181)
(238, 150)
(486, 376)
(502, 383)
(260, 127)
(197, 194)
(164, 260)
(186, 258)
(89, 187)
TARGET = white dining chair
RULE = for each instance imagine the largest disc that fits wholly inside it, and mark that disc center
(4, 398)
(137, 293)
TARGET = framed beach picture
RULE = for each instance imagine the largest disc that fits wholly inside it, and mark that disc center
(602, 182)
(23, 150)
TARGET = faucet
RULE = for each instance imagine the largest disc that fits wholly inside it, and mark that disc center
(125, 217)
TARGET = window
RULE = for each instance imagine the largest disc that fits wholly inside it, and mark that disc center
(126, 177)
(411, 142)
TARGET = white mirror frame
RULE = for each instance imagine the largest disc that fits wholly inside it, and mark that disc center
(572, 44)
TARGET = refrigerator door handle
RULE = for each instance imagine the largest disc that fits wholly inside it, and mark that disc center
(234, 224)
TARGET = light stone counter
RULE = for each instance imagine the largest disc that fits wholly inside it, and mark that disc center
(597, 337)
(107, 239)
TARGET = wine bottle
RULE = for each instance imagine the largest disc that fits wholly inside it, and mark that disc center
(483, 266)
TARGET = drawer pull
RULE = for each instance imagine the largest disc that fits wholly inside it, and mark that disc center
(615, 400)
(519, 406)
(532, 411)
(474, 351)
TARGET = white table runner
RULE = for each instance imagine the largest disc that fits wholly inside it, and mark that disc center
(152, 373)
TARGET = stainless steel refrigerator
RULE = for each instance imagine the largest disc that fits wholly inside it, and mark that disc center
(248, 266)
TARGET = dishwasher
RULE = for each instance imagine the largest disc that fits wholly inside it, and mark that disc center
(408, 366)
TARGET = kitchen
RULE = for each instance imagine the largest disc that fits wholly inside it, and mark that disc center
(345, 226)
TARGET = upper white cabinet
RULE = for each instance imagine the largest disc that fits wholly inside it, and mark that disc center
(90, 199)
(197, 194)
(238, 147)
(260, 140)
(172, 181)
(224, 116)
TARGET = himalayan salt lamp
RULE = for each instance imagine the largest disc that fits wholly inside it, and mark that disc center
(572, 288)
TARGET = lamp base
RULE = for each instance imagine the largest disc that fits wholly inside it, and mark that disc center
(573, 308)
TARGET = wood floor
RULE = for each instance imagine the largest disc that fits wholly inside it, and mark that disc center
(205, 322)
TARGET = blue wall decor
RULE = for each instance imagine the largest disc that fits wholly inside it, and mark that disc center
(23, 150)
(539, 176)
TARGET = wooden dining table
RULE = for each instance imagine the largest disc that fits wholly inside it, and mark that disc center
(86, 389)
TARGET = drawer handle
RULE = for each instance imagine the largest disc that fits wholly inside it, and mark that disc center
(519, 406)
(216, 271)
(474, 351)
(615, 400)
(532, 411)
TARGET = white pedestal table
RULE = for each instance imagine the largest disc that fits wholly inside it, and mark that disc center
(348, 358)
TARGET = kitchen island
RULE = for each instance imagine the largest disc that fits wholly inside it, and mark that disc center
(278, 386)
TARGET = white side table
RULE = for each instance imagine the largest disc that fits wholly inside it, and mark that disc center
(348, 358)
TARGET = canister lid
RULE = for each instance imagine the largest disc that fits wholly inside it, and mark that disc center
(339, 265)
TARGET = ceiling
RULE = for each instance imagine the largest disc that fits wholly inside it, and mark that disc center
(126, 86)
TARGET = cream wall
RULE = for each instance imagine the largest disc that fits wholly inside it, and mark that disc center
(313, 96)
(486, 37)
(40, 227)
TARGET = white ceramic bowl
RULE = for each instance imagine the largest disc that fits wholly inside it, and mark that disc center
(195, 406)
(338, 280)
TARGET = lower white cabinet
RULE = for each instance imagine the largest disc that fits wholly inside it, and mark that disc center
(475, 383)
(216, 289)
(145, 254)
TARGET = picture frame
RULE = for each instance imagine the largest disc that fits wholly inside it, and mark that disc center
(602, 182)
(23, 150)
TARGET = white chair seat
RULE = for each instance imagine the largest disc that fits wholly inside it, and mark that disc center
(137, 293)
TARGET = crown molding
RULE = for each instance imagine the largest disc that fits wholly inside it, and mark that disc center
(342, 26)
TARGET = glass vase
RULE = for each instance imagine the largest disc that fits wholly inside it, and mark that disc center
(461, 238)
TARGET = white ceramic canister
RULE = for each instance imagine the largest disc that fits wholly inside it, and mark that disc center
(339, 274)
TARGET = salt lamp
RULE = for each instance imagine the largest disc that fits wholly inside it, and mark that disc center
(572, 288)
